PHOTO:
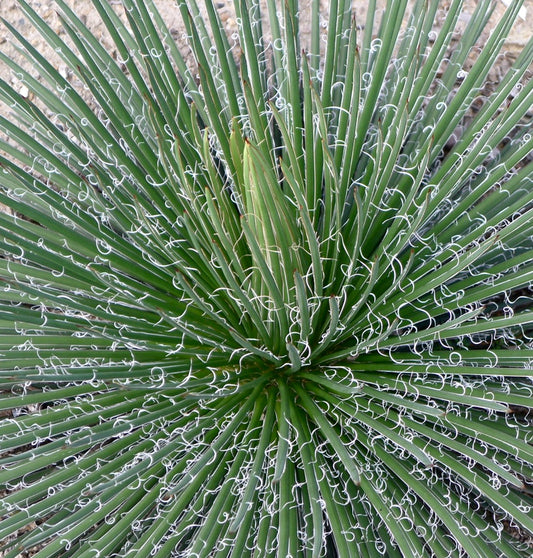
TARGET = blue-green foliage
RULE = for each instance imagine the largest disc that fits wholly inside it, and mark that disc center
(256, 302)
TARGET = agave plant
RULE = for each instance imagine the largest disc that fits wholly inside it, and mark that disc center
(274, 301)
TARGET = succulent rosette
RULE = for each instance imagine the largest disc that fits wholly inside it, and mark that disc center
(270, 294)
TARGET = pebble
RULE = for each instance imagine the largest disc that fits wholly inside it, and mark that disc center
(63, 71)
(24, 91)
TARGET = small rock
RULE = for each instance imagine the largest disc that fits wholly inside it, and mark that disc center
(63, 71)
(522, 13)
(24, 91)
